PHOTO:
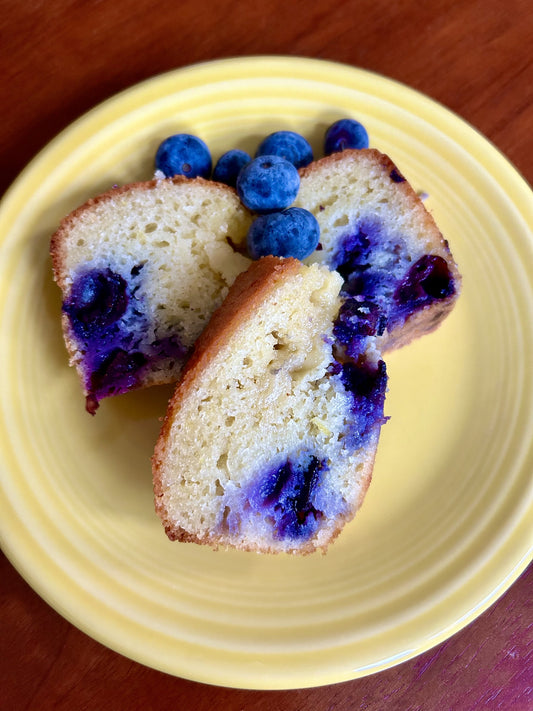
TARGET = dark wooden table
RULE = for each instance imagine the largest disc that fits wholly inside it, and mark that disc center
(60, 58)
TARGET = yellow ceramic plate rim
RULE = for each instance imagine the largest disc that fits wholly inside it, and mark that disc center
(291, 623)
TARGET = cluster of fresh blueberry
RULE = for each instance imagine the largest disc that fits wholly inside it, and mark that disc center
(267, 184)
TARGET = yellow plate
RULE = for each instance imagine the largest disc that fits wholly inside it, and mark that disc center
(447, 523)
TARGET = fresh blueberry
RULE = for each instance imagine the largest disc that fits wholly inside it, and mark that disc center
(288, 145)
(97, 300)
(345, 133)
(183, 154)
(229, 165)
(268, 183)
(292, 233)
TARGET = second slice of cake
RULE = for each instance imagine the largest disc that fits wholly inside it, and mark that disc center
(400, 278)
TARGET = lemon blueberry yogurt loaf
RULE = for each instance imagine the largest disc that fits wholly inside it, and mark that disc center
(141, 268)
(269, 440)
(400, 279)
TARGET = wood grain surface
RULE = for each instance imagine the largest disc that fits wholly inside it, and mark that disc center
(58, 58)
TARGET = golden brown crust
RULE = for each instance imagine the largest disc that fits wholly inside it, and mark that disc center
(370, 155)
(341, 157)
(180, 535)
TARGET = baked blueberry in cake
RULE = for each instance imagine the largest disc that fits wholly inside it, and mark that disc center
(269, 440)
(141, 268)
(110, 322)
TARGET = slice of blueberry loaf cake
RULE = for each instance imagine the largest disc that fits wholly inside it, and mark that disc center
(141, 268)
(400, 279)
(269, 440)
